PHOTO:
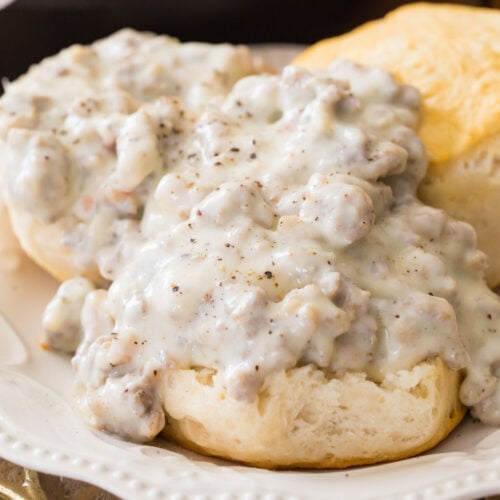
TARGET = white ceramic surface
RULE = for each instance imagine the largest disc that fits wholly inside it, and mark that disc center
(40, 430)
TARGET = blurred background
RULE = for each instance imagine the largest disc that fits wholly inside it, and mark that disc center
(33, 29)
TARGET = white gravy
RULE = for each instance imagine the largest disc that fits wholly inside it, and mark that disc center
(278, 227)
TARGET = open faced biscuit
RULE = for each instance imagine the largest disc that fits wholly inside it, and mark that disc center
(285, 281)
(297, 306)
(450, 53)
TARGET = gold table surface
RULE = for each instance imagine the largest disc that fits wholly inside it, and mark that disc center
(17, 483)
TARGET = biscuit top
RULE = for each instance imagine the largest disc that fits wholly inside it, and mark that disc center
(450, 53)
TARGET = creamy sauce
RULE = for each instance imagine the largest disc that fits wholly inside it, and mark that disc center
(87, 133)
(280, 228)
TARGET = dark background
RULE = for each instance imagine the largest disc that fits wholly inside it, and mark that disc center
(33, 29)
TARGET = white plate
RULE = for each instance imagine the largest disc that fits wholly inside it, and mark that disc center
(40, 430)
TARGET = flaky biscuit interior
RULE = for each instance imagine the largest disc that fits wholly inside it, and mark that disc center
(304, 418)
